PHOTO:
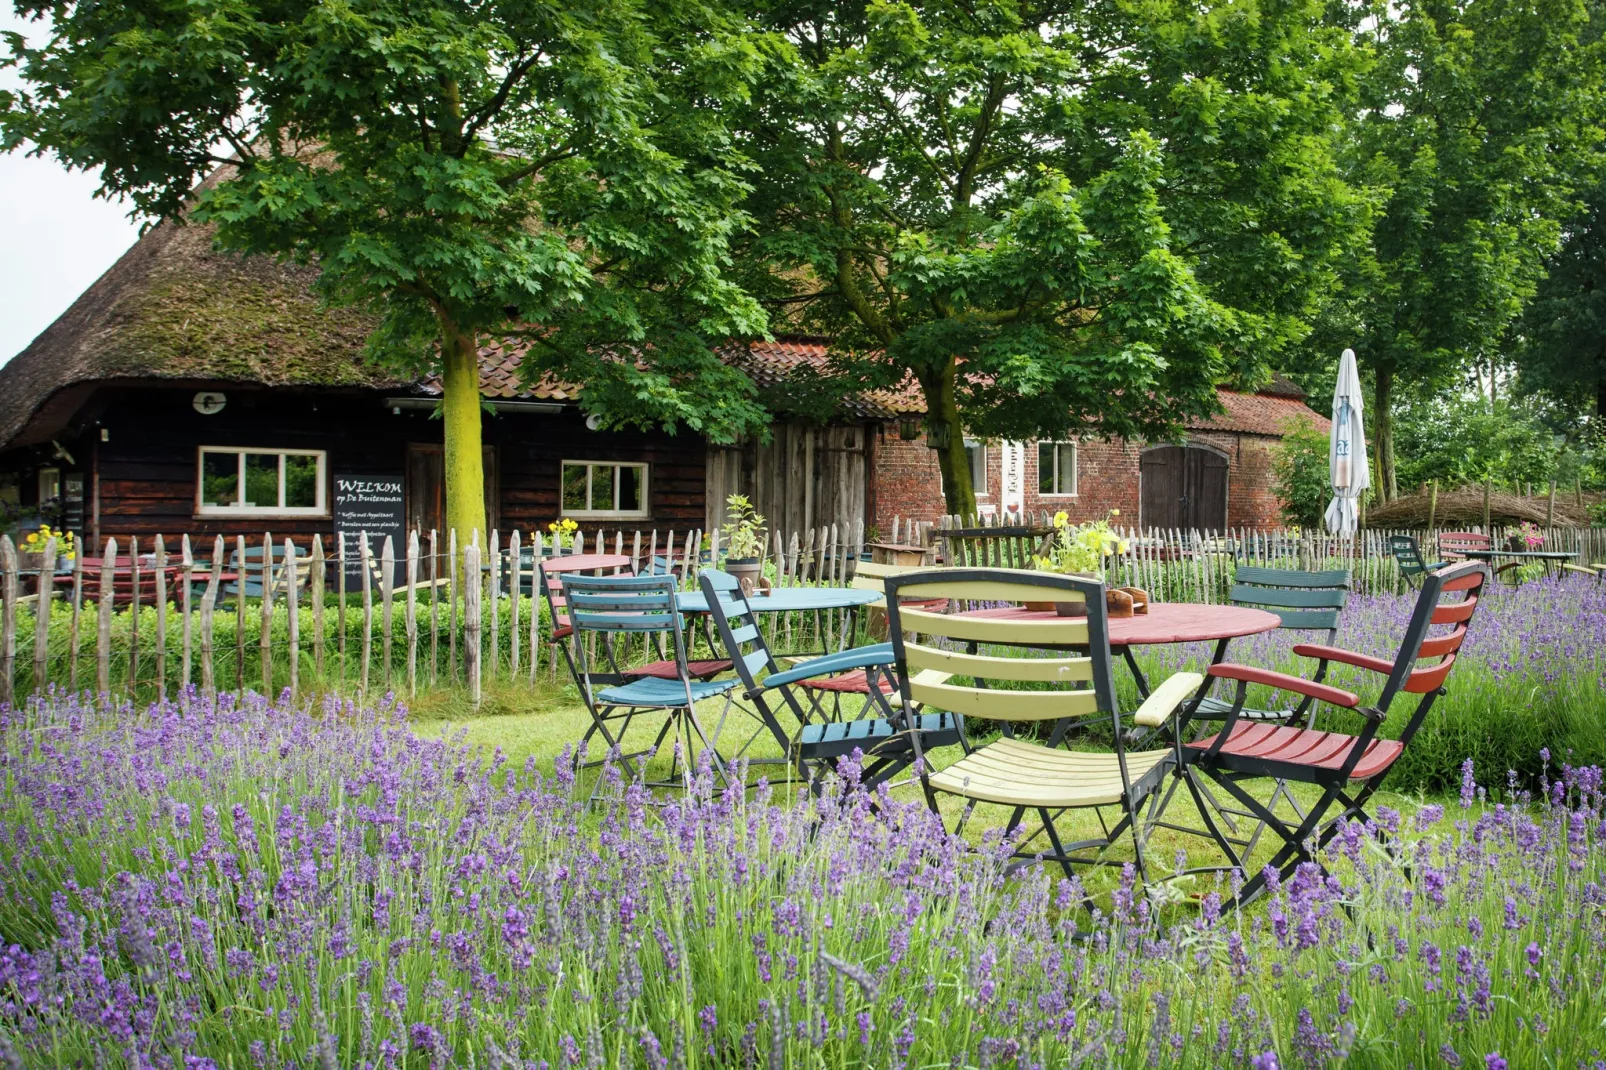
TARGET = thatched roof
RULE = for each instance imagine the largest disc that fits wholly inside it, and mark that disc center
(1463, 507)
(175, 308)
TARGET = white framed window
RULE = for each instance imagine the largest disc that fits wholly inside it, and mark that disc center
(614, 489)
(977, 452)
(49, 484)
(1056, 469)
(257, 481)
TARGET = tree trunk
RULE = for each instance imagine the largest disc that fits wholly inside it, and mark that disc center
(463, 457)
(1388, 487)
(946, 435)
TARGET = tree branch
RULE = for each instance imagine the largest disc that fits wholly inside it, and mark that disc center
(483, 115)
(513, 178)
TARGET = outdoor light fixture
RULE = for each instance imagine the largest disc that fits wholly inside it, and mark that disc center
(909, 428)
(937, 435)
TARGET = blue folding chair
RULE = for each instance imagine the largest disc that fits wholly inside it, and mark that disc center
(602, 608)
(883, 740)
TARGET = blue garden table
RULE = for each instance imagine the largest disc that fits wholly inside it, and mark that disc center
(816, 600)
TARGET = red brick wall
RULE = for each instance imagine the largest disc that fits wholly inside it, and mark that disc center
(908, 485)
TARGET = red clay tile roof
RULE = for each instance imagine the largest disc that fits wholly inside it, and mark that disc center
(1259, 414)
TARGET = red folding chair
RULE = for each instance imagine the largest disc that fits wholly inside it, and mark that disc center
(1348, 768)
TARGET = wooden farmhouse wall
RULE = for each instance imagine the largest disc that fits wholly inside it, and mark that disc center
(804, 477)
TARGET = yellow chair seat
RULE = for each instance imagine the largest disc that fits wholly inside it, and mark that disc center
(1017, 773)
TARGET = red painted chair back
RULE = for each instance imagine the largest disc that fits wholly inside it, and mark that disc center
(1453, 545)
(1435, 633)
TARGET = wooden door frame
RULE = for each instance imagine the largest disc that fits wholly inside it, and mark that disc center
(493, 487)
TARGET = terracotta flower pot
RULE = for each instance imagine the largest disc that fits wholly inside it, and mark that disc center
(746, 570)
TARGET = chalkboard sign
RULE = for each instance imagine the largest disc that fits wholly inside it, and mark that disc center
(372, 504)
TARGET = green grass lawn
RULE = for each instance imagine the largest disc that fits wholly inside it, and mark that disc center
(538, 723)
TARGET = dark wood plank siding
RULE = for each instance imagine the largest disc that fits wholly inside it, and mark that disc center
(147, 464)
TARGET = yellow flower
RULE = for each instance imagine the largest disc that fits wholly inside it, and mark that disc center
(1061, 518)
(1115, 512)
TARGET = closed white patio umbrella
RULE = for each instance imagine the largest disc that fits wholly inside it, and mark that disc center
(1346, 450)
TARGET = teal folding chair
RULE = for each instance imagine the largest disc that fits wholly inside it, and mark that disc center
(884, 738)
(600, 610)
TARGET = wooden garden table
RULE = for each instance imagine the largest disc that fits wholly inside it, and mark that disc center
(1165, 622)
(1551, 558)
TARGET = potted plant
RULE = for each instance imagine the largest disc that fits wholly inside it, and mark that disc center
(562, 532)
(744, 541)
(1080, 550)
(31, 554)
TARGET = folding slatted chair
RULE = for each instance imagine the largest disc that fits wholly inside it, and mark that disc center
(550, 583)
(823, 688)
(1408, 555)
(1023, 775)
(1303, 601)
(1348, 768)
(884, 740)
(604, 607)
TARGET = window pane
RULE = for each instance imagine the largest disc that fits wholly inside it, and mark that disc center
(1045, 468)
(602, 476)
(574, 487)
(300, 482)
(1065, 477)
(261, 480)
(630, 489)
(220, 478)
(978, 466)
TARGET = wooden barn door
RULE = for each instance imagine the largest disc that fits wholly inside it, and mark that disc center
(1183, 487)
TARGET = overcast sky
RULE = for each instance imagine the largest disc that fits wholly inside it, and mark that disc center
(56, 237)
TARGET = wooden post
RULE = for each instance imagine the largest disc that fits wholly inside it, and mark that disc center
(292, 616)
(340, 587)
(186, 652)
(471, 619)
(161, 619)
(516, 570)
(315, 592)
(412, 612)
(535, 601)
(77, 614)
(208, 607)
(1550, 507)
(1488, 488)
(8, 620)
(365, 557)
(103, 631)
(133, 616)
(265, 618)
(387, 596)
(239, 612)
(451, 601)
(1433, 507)
(41, 616)
(494, 582)
(434, 618)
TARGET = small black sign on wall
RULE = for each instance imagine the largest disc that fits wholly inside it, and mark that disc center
(374, 504)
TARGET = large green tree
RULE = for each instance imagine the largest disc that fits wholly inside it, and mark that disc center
(1563, 330)
(1479, 117)
(1049, 216)
(459, 167)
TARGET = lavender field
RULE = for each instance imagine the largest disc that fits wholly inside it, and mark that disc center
(209, 884)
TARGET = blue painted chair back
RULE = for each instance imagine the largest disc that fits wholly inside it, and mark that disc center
(737, 627)
(612, 606)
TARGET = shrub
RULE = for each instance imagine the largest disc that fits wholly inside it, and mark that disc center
(259, 885)
(1299, 465)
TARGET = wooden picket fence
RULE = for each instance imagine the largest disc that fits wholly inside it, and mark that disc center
(405, 618)
(311, 619)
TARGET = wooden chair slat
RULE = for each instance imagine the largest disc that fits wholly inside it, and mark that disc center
(1005, 705)
(1061, 632)
(981, 666)
(1291, 598)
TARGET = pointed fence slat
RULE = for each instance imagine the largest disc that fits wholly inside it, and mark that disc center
(186, 587)
(208, 608)
(161, 618)
(8, 620)
(387, 598)
(412, 612)
(292, 616)
(41, 614)
(315, 592)
(103, 628)
(265, 616)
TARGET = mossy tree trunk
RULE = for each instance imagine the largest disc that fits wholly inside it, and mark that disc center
(1383, 434)
(463, 456)
(945, 434)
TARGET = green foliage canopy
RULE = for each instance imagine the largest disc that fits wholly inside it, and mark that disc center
(456, 167)
(1050, 217)
(1300, 467)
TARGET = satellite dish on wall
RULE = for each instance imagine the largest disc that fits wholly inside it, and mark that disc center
(209, 402)
(593, 422)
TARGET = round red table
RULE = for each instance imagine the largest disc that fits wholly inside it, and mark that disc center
(1165, 622)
